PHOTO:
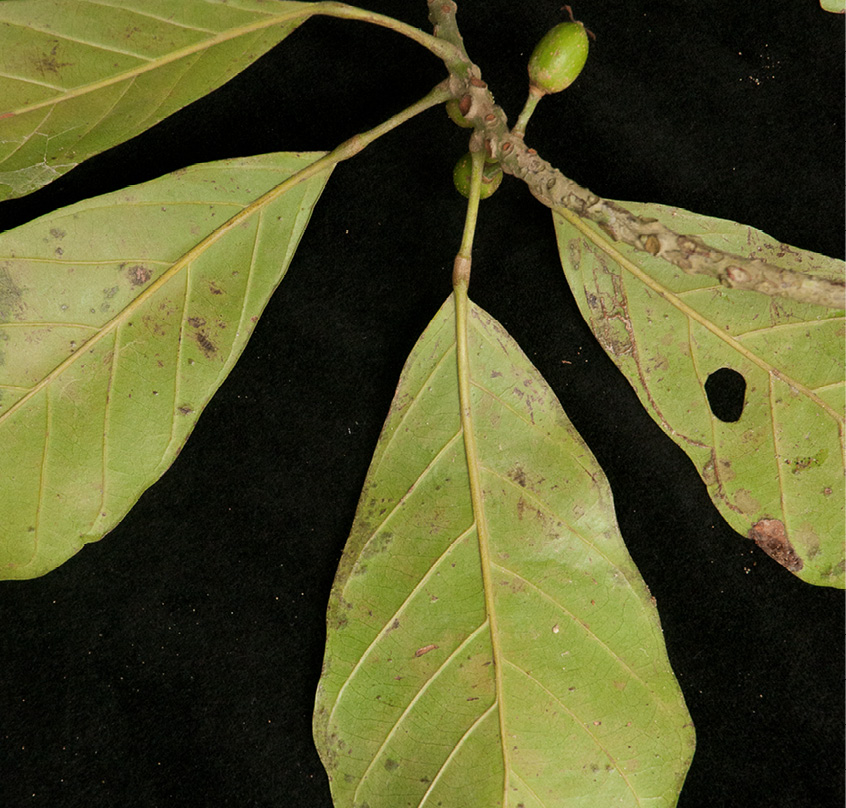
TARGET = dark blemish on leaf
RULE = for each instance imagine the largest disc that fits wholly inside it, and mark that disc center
(518, 476)
(771, 536)
(802, 463)
(395, 625)
(206, 345)
(391, 765)
(57, 232)
(155, 326)
(709, 474)
(10, 298)
(50, 64)
(214, 288)
(424, 650)
(197, 322)
(138, 274)
(185, 410)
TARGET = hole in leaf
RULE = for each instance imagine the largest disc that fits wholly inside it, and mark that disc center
(726, 391)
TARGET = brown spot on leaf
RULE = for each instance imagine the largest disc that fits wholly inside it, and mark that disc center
(138, 274)
(206, 345)
(424, 650)
(214, 288)
(745, 503)
(771, 536)
(50, 64)
(185, 410)
(518, 476)
(197, 322)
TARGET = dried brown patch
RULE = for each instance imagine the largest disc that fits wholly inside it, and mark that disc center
(206, 345)
(771, 536)
(50, 64)
(138, 274)
(518, 476)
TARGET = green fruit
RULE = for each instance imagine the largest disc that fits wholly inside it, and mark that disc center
(453, 109)
(559, 57)
(491, 177)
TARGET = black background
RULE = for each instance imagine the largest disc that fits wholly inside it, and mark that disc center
(175, 662)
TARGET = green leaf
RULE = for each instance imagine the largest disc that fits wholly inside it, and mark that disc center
(79, 78)
(119, 318)
(777, 473)
(835, 6)
(476, 655)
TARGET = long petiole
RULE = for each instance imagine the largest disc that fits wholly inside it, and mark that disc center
(461, 268)
(441, 48)
(349, 148)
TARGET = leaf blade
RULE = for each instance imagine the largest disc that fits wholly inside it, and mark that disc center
(113, 344)
(410, 708)
(668, 332)
(75, 83)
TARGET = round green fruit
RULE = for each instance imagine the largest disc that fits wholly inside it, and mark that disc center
(559, 57)
(463, 171)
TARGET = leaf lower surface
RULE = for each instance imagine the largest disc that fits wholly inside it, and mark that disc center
(777, 473)
(119, 318)
(500, 651)
(78, 78)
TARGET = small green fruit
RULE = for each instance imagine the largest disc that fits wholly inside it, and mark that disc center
(559, 57)
(453, 109)
(491, 177)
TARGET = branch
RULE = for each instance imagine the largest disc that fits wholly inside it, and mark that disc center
(558, 192)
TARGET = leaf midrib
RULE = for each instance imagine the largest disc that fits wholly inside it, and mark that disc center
(462, 305)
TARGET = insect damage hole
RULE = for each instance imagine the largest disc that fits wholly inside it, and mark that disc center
(726, 391)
